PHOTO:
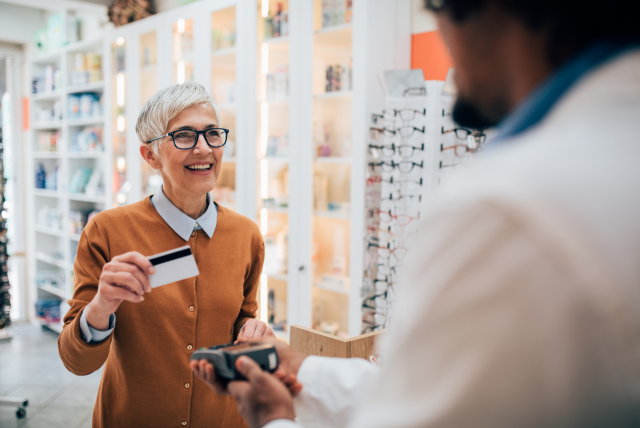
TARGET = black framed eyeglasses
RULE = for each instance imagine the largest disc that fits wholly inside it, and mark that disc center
(463, 133)
(384, 131)
(185, 139)
(415, 92)
(405, 114)
(404, 167)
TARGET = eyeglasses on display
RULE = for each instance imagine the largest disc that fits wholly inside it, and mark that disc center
(415, 92)
(464, 133)
(381, 268)
(404, 150)
(459, 150)
(388, 217)
(398, 253)
(406, 114)
(403, 166)
(375, 179)
(185, 139)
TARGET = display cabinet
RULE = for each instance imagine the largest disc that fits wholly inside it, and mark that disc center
(69, 173)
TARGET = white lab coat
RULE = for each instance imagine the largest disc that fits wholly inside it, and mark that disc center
(524, 308)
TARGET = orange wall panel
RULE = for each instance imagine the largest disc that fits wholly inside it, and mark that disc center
(25, 113)
(429, 53)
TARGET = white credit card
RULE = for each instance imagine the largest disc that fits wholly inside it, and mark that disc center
(171, 266)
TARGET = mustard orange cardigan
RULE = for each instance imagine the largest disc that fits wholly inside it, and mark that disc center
(147, 381)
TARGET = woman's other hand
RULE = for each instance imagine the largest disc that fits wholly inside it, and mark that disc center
(254, 329)
(125, 277)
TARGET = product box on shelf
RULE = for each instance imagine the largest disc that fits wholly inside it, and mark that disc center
(84, 106)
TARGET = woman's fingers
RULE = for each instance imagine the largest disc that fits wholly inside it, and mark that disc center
(122, 281)
(260, 330)
(112, 293)
(137, 259)
(133, 269)
(248, 330)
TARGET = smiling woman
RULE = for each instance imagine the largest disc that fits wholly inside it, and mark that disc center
(147, 380)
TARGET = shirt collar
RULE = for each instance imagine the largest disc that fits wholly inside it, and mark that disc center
(181, 223)
(541, 100)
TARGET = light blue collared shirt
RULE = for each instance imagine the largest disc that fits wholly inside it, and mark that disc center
(182, 225)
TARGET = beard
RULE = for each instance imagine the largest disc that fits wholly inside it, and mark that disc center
(467, 115)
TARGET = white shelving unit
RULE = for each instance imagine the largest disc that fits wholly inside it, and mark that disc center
(53, 245)
(150, 54)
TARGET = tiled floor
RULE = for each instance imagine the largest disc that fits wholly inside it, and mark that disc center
(30, 367)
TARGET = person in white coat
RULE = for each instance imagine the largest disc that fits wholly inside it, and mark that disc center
(524, 304)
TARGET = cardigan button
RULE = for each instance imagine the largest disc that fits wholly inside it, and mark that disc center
(192, 308)
(186, 385)
(189, 347)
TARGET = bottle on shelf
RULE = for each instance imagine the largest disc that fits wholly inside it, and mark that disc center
(268, 26)
(41, 177)
(277, 19)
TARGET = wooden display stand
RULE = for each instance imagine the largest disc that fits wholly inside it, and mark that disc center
(314, 342)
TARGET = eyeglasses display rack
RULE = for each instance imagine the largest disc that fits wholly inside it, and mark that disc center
(414, 146)
(5, 286)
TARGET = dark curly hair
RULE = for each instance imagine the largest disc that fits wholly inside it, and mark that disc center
(572, 24)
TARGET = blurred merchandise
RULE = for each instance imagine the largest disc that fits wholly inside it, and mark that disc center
(330, 327)
(276, 25)
(44, 115)
(329, 143)
(49, 217)
(48, 310)
(78, 219)
(278, 84)
(277, 185)
(84, 106)
(320, 192)
(87, 68)
(48, 141)
(223, 39)
(338, 78)
(327, 13)
(49, 79)
(46, 180)
(341, 207)
(61, 29)
(339, 9)
(336, 12)
(50, 278)
(278, 146)
(87, 181)
(89, 139)
(276, 252)
(148, 56)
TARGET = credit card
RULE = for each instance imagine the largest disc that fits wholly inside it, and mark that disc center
(171, 266)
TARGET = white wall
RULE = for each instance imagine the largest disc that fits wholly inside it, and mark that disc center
(421, 19)
(17, 23)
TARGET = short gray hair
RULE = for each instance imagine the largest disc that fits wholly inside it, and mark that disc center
(166, 104)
